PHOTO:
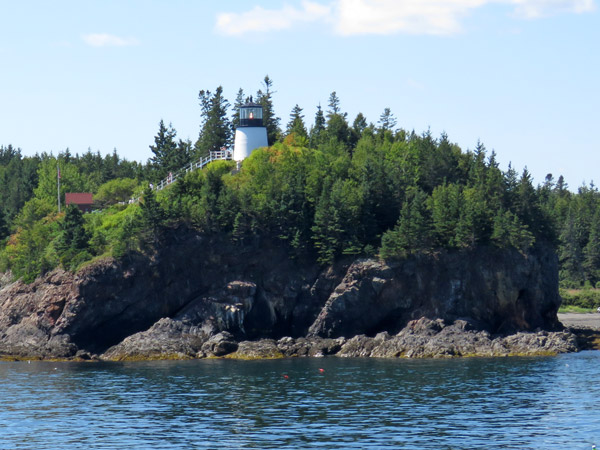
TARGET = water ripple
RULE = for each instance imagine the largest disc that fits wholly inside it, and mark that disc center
(511, 403)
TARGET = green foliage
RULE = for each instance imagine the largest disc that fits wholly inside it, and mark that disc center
(18, 179)
(337, 190)
(413, 232)
(270, 121)
(71, 180)
(387, 120)
(3, 226)
(317, 131)
(115, 191)
(446, 204)
(169, 156)
(296, 123)
(240, 100)
(72, 243)
(216, 131)
(591, 251)
(583, 298)
(152, 215)
(510, 232)
(28, 250)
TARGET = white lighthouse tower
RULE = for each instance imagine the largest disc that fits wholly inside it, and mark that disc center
(251, 133)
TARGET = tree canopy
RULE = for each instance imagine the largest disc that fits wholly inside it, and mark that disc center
(334, 190)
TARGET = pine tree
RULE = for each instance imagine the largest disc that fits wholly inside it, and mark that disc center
(327, 229)
(235, 117)
(166, 155)
(216, 129)
(387, 120)
(270, 121)
(334, 105)
(591, 252)
(152, 215)
(446, 205)
(296, 123)
(412, 234)
(508, 231)
(3, 225)
(183, 156)
(337, 125)
(358, 127)
(73, 242)
(317, 131)
(570, 253)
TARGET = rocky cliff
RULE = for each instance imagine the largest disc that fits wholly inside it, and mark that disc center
(199, 296)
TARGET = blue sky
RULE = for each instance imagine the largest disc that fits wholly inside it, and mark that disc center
(522, 76)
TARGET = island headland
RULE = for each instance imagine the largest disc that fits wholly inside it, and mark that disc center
(203, 296)
(350, 240)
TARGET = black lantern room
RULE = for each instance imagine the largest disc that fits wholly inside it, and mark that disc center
(251, 115)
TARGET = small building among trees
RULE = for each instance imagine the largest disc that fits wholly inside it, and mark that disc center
(83, 200)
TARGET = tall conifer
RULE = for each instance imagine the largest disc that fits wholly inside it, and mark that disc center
(216, 128)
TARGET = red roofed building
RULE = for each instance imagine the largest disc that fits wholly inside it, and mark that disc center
(82, 200)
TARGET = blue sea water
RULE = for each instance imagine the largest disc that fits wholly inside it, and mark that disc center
(328, 403)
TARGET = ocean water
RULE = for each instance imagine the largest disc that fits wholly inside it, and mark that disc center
(327, 403)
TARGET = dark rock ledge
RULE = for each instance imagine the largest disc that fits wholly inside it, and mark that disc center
(199, 297)
(422, 338)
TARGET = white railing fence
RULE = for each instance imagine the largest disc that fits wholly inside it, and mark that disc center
(223, 154)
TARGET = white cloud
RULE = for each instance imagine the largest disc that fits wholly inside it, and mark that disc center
(533, 9)
(108, 40)
(407, 16)
(259, 19)
(434, 16)
(351, 17)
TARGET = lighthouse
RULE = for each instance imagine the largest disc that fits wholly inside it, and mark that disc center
(250, 133)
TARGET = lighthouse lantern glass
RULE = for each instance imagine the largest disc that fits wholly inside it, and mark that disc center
(251, 113)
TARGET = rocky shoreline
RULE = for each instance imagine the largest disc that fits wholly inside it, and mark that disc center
(200, 297)
(422, 338)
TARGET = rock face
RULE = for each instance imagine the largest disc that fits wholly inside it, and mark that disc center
(499, 291)
(201, 297)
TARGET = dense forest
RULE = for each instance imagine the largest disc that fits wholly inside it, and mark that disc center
(326, 189)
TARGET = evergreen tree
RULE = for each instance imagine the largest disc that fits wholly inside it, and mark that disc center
(591, 252)
(337, 125)
(387, 120)
(561, 186)
(360, 124)
(317, 131)
(327, 229)
(270, 121)
(152, 215)
(166, 155)
(412, 234)
(570, 252)
(511, 182)
(296, 123)
(73, 242)
(334, 105)
(183, 155)
(337, 128)
(216, 129)
(235, 117)
(446, 205)
(3, 225)
(358, 127)
(508, 231)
